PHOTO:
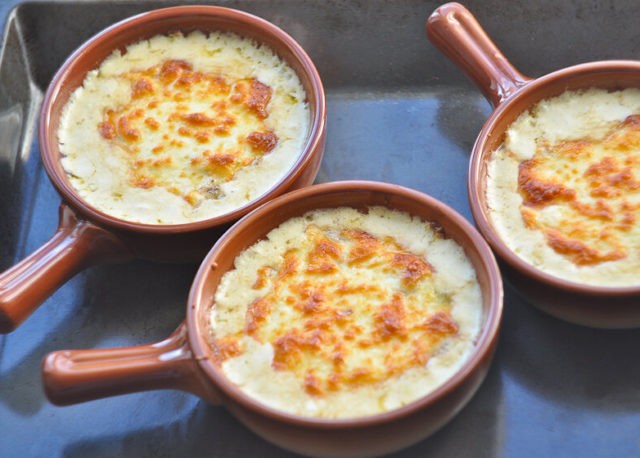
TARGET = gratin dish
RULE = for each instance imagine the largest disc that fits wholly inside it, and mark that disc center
(86, 235)
(186, 359)
(398, 112)
(454, 30)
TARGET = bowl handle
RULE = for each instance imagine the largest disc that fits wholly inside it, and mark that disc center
(76, 244)
(456, 32)
(74, 376)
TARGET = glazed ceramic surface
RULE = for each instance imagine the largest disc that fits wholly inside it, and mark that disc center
(457, 33)
(186, 359)
(88, 236)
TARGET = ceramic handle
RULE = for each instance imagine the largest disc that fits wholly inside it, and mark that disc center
(457, 33)
(76, 244)
(73, 376)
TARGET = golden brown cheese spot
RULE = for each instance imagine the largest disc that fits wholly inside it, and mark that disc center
(171, 69)
(191, 198)
(414, 268)
(263, 275)
(152, 123)
(323, 256)
(107, 130)
(221, 160)
(309, 301)
(143, 181)
(256, 314)
(254, 95)
(186, 114)
(184, 131)
(189, 80)
(607, 178)
(580, 253)
(539, 192)
(226, 348)
(361, 376)
(225, 123)
(312, 384)
(390, 319)
(262, 142)
(529, 217)
(628, 220)
(141, 88)
(584, 195)
(598, 210)
(338, 313)
(289, 267)
(364, 246)
(290, 348)
(165, 160)
(126, 129)
(203, 137)
(198, 119)
(441, 323)
(601, 168)
(421, 353)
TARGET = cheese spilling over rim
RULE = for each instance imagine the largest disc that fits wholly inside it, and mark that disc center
(564, 189)
(340, 314)
(183, 128)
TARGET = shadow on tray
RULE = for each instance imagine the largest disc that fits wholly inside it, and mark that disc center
(204, 431)
(107, 306)
(569, 364)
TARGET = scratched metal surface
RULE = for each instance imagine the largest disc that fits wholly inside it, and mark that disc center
(397, 112)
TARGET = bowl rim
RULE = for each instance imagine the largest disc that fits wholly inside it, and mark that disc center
(480, 155)
(485, 342)
(315, 138)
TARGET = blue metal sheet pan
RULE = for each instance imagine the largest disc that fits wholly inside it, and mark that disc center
(398, 111)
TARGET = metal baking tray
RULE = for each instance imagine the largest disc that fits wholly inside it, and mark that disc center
(399, 112)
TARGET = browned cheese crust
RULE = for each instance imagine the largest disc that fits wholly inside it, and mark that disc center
(160, 108)
(334, 330)
(594, 182)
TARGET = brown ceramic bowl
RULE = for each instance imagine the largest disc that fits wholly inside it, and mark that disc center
(454, 30)
(86, 235)
(185, 360)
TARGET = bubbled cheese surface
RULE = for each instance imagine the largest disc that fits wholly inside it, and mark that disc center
(564, 188)
(342, 314)
(183, 128)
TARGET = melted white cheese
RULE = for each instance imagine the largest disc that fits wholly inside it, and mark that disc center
(574, 115)
(100, 169)
(253, 370)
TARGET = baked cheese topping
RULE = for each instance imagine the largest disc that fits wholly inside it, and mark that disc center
(183, 128)
(570, 170)
(340, 313)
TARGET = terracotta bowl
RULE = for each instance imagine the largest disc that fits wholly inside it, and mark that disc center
(185, 360)
(454, 30)
(86, 235)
